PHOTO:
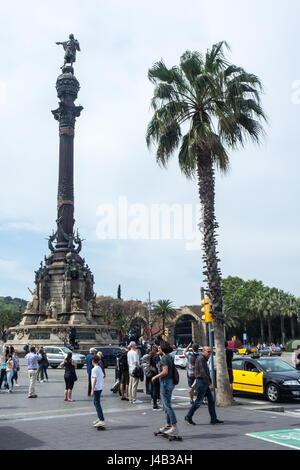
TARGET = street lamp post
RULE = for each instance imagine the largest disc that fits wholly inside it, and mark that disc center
(149, 320)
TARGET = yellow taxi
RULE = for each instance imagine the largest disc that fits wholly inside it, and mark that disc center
(247, 349)
(270, 377)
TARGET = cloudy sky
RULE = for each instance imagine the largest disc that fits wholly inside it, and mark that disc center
(256, 204)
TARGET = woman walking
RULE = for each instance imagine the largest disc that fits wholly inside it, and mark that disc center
(70, 376)
(9, 372)
(44, 364)
(165, 377)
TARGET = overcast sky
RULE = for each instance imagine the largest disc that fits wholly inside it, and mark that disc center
(256, 203)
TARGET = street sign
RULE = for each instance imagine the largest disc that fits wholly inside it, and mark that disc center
(287, 437)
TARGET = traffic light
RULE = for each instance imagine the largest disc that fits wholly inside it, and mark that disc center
(207, 317)
(166, 331)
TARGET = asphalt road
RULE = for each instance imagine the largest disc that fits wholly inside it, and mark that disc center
(49, 423)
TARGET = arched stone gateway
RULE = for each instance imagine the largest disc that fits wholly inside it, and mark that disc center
(187, 326)
(138, 327)
(185, 329)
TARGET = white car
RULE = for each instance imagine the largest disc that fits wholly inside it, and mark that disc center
(56, 355)
(179, 359)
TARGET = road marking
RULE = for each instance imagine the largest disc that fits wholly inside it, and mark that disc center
(287, 438)
(71, 413)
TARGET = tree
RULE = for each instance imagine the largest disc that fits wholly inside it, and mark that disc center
(237, 296)
(219, 104)
(163, 310)
(119, 291)
(292, 308)
(122, 324)
(9, 317)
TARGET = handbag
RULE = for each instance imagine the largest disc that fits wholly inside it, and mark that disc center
(136, 373)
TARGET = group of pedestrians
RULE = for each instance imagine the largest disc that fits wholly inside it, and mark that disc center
(157, 365)
(10, 366)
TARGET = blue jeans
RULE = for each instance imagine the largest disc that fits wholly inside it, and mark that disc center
(166, 388)
(97, 395)
(9, 375)
(202, 391)
(43, 371)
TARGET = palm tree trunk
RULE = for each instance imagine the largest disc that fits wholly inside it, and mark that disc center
(262, 333)
(282, 329)
(270, 326)
(293, 327)
(206, 183)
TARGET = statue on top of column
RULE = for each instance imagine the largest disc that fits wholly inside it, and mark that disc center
(70, 47)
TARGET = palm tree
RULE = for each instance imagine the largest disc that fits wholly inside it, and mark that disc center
(163, 310)
(259, 304)
(217, 105)
(122, 323)
(292, 306)
(279, 307)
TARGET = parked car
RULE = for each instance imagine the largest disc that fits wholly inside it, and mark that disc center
(270, 351)
(179, 359)
(109, 354)
(57, 354)
(266, 376)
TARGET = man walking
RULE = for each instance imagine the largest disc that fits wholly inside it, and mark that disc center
(97, 382)
(204, 388)
(133, 365)
(191, 357)
(32, 362)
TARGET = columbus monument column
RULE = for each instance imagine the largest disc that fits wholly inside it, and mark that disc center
(63, 295)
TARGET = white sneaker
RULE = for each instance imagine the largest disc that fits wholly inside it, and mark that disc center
(99, 424)
(164, 429)
(137, 402)
(172, 432)
(96, 421)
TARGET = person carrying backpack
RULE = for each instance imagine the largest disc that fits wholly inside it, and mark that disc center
(123, 374)
(168, 376)
(152, 371)
(145, 363)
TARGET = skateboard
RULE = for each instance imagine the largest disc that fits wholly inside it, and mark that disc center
(101, 428)
(170, 438)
